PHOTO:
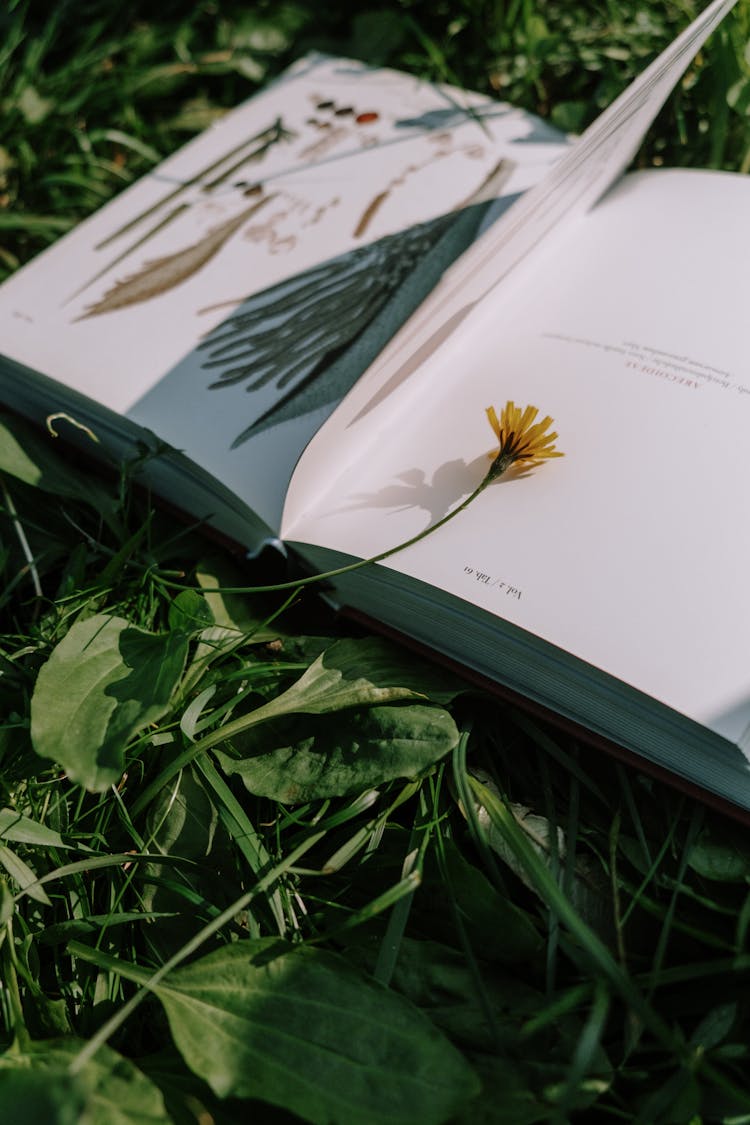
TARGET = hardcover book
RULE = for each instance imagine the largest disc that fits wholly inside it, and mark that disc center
(326, 307)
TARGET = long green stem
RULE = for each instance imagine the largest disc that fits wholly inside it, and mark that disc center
(298, 583)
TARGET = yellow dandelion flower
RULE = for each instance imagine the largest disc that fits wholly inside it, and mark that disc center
(521, 438)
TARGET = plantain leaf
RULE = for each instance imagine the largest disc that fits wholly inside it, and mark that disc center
(721, 859)
(59, 1100)
(36, 1088)
(302, 1029)
(357, 673)
(296, 760)
(104, 682)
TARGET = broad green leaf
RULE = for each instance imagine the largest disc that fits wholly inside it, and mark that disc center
(361, 671)
(723, 862)
(189, 612)
(354, 673)
(46, 1018)
(303, 759)
(58, 1100)
(109, 1090)
(300, 1028)
(189, 1101)
(104, 682)
(183, 822)
(22, 830)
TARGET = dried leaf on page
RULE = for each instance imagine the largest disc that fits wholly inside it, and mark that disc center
(163, 274)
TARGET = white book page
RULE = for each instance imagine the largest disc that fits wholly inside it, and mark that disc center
(573, 185)
(631, 552)
(330, 161)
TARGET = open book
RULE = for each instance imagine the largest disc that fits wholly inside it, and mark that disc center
(244, 303)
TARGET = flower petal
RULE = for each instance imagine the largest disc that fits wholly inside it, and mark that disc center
(492, 418)
(521, 437)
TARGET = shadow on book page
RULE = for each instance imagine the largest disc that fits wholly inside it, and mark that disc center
(290, 336)
(434, 493)
(267, 377)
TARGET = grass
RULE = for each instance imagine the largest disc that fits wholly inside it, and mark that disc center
(566, 930)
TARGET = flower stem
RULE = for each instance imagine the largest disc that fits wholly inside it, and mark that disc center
(300, 582)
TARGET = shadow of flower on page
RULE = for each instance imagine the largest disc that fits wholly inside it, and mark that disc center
(524, 444)
(414, 489)
(450, 483)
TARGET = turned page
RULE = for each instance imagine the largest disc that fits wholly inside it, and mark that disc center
(630, 551)
(574, 184)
